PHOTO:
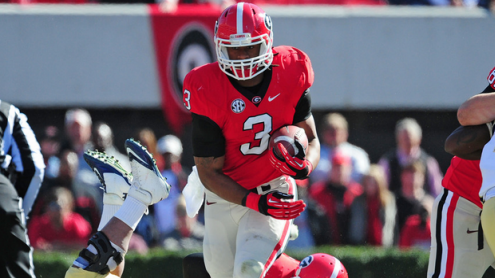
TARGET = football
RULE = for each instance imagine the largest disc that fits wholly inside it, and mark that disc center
(287, 135)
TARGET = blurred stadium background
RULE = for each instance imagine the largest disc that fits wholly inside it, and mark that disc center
(125, 64)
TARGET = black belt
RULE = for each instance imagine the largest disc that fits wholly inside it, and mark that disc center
(264, 188)
(480, 236)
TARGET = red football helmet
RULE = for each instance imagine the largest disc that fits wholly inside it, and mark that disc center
(321, 265)
(240, 25)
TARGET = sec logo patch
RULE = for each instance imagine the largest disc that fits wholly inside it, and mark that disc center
(238, 105)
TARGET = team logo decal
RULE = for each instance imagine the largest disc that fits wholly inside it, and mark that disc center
(268, 22)
(238, 105)
(191, 48)
(306, 261)
(256, 100)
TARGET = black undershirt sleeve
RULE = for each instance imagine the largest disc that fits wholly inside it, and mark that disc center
(303, 108)
(488, 89)
(207, 137)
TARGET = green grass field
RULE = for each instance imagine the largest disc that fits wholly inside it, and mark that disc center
(360, 262)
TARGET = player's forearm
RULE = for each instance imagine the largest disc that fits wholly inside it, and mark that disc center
(313, 151)
(216, 181)
(467, 142)
(477, 110)
(313, 154)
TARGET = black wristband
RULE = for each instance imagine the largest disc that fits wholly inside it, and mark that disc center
(243, 202)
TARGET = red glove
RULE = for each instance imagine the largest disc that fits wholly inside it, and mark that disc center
(297, 167)
(275, 204)
(491, 78)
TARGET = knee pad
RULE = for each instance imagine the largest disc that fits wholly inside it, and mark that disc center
(249, 269)
(107, 258)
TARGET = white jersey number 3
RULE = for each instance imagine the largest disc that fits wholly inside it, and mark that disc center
(263, 135)
(186, 97)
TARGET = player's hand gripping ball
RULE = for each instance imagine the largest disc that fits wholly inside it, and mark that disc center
(287, 135)
(288, 147)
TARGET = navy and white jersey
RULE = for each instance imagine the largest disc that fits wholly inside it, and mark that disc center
(20, 154)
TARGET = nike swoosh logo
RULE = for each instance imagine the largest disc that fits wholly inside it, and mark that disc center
(299, 164)
(140, 160)
(470, 232)
(210, 203)
(272, 201)
(272, 98)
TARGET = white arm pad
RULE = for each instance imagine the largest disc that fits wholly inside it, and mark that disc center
(193, 193)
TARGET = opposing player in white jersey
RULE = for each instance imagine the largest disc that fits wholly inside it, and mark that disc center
(459, 242)
(125, 200)
(476, 110)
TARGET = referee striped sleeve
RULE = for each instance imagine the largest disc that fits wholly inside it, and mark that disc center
(20, 143)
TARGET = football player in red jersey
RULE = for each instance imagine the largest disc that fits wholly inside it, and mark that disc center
(459, 246)
(236, 103)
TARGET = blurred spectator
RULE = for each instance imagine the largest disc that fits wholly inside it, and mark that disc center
(84, 204)
(416, 232)
(170, 148)
(59, 228)
(78, 126)
(188, 233)
(103, 141)
(335, 197)
(78, 131)
(148, 139)
(138, 244)
(413, 198)
(302, 224)
(68, 165)
(334, 134)
(50, 147)
(374, 213)
(318, 222)
(408, 137)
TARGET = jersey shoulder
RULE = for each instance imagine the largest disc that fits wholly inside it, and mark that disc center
(201, 87)
(295, 63)
(201, 73)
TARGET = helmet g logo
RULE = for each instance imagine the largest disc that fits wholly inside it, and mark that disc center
(306, 261)
(321, 265)
(268, 22)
